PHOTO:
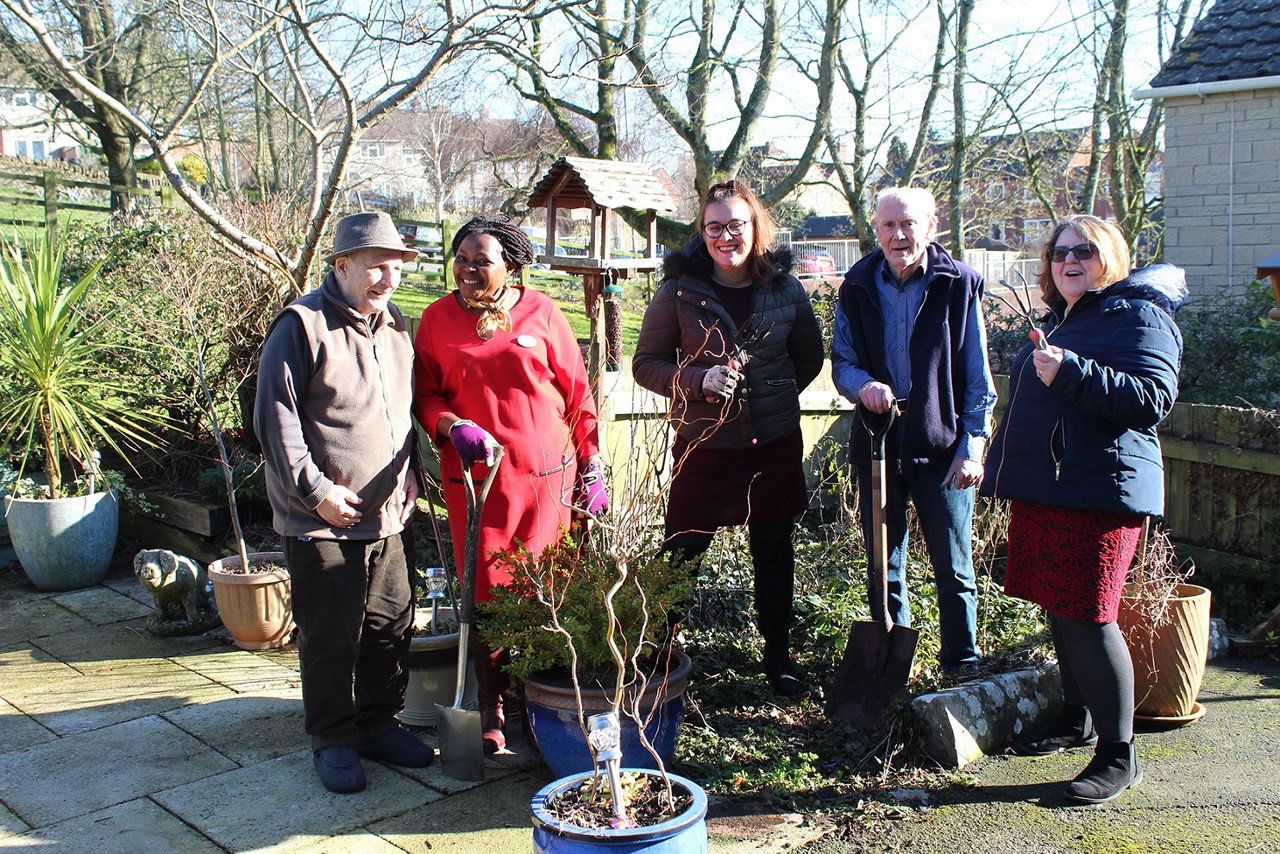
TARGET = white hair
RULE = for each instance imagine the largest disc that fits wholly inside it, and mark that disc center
(919, 199)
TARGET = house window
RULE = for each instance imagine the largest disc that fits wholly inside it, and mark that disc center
(995, 192)
(1027, 195)
(411, 158)
(373, 150)
(997, 231)
(37, 149)
(20, 148)
(1034, 230)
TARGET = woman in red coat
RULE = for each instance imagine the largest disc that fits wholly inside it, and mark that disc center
(498, 364)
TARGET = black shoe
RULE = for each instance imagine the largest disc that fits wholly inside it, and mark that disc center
(1072, 728)
(781, 674)
(340, 770)
(398, 746)
(1113, 768)
(962, 671)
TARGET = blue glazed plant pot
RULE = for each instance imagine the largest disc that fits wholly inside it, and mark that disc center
(683, 834)
(552, 708)
(64, 543)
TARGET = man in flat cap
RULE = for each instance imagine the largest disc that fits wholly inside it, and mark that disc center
(333, 414)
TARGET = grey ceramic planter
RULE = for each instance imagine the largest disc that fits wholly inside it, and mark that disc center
(64, 543)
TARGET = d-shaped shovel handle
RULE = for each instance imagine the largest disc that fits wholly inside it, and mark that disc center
(879, 512)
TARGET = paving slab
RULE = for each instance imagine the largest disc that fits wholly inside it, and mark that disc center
(34, 617)
(280, 806)
(357, 842)
(490, 818)
(18, 730)
(129, 639)
(68, 701)
(738, 827)
(129, 828)
(78, 774)
(129, 585)
(247, 728)
(241, 671)
(10, 824)
(102, 606)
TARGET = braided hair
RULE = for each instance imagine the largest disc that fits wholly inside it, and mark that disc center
(517, 248)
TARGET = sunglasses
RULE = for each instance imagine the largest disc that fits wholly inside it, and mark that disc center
(1082, 251)
(734, 227)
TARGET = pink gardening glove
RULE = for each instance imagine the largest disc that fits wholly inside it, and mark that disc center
(473, 443)
(589, 493)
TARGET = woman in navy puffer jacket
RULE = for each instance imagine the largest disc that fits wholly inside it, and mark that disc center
(1077, 455)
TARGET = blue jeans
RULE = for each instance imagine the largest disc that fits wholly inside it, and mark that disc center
(946, 519)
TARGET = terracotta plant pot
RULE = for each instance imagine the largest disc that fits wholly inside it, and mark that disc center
(1168, 660)
(256, 608)
(682, 834)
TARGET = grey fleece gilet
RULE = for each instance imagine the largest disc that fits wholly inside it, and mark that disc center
(334, 406)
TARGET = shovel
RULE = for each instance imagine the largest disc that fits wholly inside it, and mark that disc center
(461, 742)
(877, 658)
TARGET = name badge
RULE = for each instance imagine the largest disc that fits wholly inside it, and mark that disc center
(526, 340)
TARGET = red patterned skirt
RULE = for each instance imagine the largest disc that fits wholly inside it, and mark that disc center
(1070, 562)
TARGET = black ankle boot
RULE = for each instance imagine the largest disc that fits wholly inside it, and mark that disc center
(1113, 768)
(780, 672)
(1072, 728)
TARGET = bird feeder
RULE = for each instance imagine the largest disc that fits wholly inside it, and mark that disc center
(601, 186)
(1271, 269)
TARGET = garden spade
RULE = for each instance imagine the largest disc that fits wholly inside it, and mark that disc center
(877, 657)
(461, 741)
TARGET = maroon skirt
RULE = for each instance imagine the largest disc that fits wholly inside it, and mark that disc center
(1070, 562)
(714, 488)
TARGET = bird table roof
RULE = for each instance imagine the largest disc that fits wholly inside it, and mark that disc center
(577, 182)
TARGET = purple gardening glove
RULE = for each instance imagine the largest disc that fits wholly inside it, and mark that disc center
(473, 443)
(589, 493)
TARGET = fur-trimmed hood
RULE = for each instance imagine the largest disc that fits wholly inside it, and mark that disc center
(692, 259)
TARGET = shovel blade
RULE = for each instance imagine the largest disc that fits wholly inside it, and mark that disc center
(874, 670)
(461, 743)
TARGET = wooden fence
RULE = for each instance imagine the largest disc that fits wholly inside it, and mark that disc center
(55, 191)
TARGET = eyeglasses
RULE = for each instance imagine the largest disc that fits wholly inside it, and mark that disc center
(1082, 251)
(735, 228)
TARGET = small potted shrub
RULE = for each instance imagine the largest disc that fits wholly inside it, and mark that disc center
(1165, 622)
(587, 632)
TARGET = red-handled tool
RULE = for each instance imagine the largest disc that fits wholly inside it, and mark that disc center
(1039, 339)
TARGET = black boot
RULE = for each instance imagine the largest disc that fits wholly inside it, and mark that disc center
(779, 670)
(1113, 768)
(1072, 728)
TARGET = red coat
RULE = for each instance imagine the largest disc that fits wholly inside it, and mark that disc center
(529, 388)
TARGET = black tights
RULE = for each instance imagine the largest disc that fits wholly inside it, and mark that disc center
(774, 564)
(1096, 673)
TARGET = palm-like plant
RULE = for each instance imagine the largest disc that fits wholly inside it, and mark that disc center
(52, 350)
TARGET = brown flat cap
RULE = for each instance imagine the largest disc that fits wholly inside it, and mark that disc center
(373, 230)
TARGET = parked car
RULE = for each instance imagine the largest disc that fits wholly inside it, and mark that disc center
(815, 261)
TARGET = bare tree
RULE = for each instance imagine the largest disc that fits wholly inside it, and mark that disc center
(345, 73)
(569, 64)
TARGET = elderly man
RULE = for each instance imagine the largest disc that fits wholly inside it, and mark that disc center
(909, 327)
(333, 414)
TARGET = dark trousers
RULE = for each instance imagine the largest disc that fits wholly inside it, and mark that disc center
(352, 601)
(773, 561)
